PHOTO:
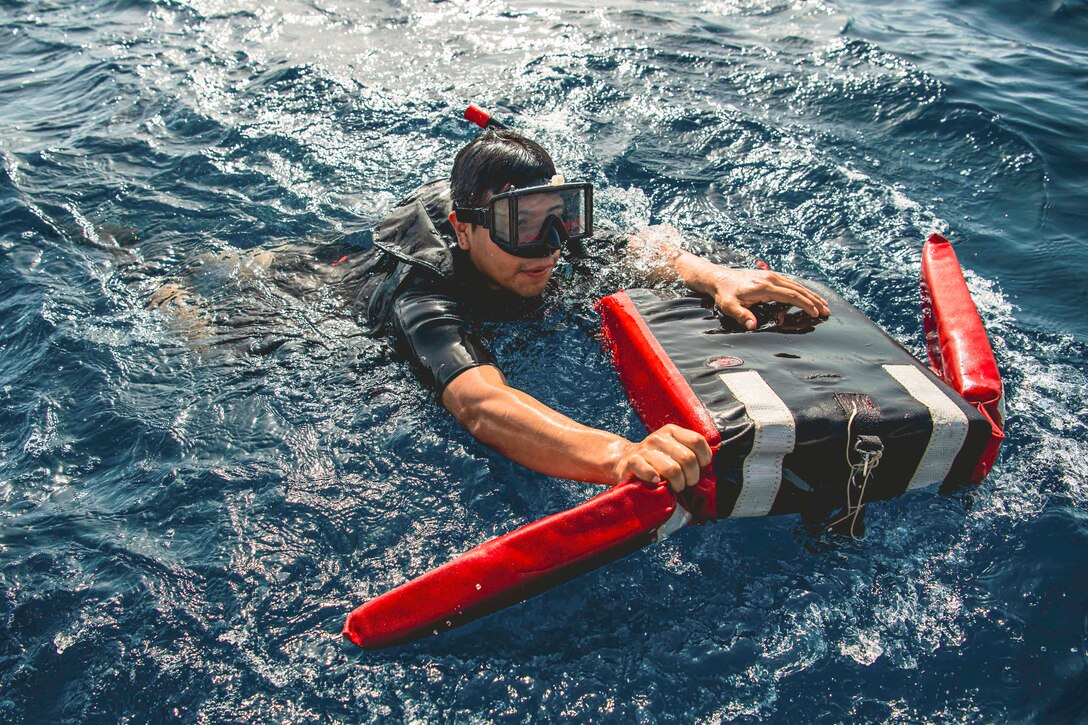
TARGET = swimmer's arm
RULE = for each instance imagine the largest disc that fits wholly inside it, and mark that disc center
(525, 430)
(733, 290)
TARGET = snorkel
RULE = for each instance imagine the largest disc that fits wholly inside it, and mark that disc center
(527, 217)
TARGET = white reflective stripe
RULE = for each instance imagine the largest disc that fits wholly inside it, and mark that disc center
(775, 435)
(949, 425)
(679, 519)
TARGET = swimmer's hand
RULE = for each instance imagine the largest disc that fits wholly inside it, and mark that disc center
(735, 290)
(670, 453)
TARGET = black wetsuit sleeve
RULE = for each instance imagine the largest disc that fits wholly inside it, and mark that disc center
(436, 334)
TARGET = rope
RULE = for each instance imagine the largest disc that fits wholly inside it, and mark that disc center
(870, 449)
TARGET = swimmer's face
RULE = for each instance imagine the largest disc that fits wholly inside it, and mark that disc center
(524, 277)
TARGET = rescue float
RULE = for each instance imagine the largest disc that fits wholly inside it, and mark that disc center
(804, 415)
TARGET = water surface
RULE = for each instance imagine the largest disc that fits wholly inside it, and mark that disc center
(192, 497)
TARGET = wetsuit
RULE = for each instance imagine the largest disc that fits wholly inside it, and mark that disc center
(421, 288)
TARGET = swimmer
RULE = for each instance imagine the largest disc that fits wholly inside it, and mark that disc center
(488, 240)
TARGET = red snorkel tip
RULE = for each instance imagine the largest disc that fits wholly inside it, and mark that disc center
(481, 117)
(477, 115)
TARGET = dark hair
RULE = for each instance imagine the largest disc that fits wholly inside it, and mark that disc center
(493, 160)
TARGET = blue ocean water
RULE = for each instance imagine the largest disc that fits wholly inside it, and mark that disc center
(194, 495)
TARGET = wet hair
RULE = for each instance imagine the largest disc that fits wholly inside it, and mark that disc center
(493, 160)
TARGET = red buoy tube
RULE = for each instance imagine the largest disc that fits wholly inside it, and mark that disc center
(663, 395)
(516, 566)
(959, 350)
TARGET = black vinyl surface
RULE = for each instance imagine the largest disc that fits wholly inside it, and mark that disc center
(821, 369)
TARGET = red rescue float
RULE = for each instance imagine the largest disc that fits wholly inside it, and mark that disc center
(514, 567)
(793, 411)
(959, 350)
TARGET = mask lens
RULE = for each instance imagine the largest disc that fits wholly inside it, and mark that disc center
(533, 211)
(574, 217)
(500, 221)
(567, 206)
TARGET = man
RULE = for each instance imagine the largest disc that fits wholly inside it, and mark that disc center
(494, 246)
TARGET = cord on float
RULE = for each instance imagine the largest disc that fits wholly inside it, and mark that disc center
(870, 448)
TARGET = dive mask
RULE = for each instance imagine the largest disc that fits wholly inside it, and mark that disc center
(536, 220)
